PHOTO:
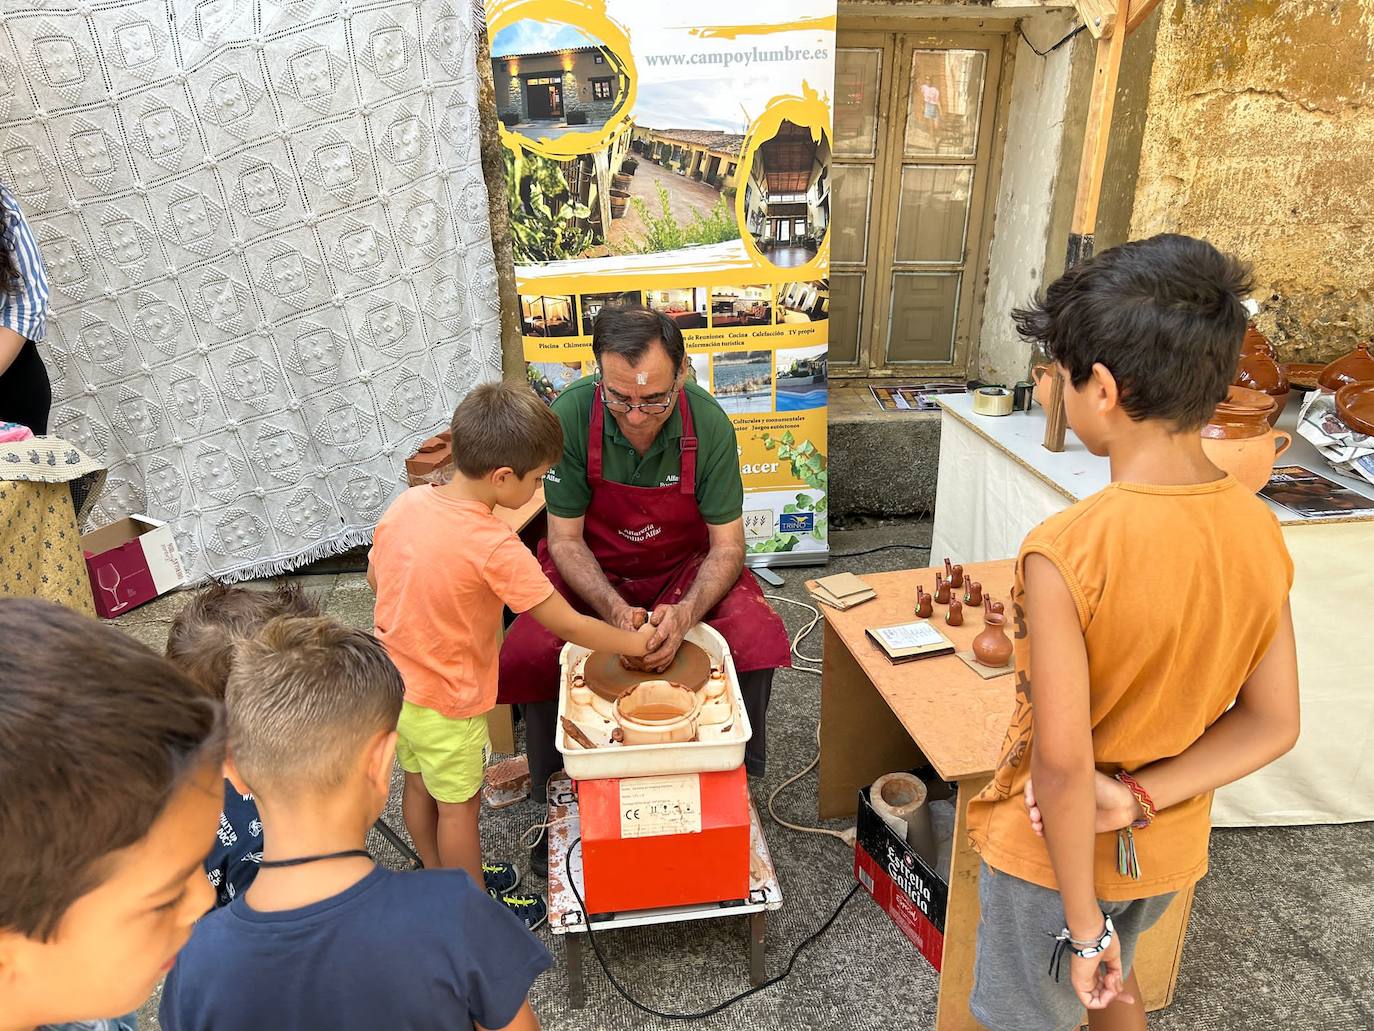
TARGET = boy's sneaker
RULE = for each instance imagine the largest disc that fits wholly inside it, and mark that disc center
(500, 877)
(531, 908)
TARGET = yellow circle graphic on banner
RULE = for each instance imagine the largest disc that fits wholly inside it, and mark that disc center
(785, 152)
(540, 87)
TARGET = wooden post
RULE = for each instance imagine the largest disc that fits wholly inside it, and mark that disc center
(1110, 45)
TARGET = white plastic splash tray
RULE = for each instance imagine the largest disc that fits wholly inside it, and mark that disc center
(719, 746)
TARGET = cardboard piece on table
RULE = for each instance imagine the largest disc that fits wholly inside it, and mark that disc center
(986, 672)
(906, 642)
(843, 591)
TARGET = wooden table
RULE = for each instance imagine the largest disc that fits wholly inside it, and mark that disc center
(877, 717)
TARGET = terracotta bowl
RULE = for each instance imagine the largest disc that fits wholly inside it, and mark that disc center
(657, 712)
(1303, 375)
(1355, 406)
(1355, 367)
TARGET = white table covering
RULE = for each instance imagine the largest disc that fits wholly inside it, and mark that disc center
(996, 482)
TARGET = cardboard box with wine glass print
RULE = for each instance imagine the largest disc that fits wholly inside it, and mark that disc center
(131, 561)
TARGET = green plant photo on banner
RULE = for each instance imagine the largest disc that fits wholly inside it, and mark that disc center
(808, 465)
(546, 229)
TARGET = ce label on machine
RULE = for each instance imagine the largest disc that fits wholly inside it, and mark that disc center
(652, 806)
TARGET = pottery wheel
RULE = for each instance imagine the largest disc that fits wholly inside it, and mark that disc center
(605, 676)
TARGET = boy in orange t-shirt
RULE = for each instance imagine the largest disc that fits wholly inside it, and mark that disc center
(443, 567)
(1142, 614)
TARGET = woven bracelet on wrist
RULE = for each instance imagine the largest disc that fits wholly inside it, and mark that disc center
(1147, 804)
(1127, 862)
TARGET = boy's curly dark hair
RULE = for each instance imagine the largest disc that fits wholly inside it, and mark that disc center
(1163, 314)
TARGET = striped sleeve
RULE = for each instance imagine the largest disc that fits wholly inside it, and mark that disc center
(25, 308)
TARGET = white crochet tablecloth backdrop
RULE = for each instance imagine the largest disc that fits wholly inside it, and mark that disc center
(266, 232)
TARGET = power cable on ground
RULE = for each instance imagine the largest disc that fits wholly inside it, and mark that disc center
(703, 1014)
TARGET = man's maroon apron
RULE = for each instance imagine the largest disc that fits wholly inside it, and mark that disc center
(650, 542)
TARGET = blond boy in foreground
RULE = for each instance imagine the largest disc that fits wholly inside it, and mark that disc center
(325, 938)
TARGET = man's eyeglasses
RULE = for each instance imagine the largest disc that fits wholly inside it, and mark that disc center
(624, 407)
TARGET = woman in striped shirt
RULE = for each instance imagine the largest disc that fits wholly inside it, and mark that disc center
(25, 393)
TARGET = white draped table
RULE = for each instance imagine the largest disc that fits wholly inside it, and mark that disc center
(996, 482)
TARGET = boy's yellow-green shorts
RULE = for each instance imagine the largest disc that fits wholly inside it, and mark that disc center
(449, 755)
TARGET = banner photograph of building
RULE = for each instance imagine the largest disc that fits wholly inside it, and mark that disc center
(545, 93)
(787, 198)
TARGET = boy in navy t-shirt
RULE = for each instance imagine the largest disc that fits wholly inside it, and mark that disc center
(201, 645)
(324, 938)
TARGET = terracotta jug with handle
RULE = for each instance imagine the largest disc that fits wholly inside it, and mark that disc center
(1239, 440)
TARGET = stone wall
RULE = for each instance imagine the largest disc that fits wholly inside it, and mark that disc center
(1019, 261)
(1260, 137)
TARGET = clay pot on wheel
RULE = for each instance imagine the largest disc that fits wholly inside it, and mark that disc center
(992, 647)
(657, 712)
(1239, 439)
(1355, 367)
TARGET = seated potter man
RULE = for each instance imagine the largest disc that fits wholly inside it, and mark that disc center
(645, 522)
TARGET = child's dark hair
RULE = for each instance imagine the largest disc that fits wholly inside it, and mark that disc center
(96, 735)
(504, 424)
(1164, 315)
(201, 642)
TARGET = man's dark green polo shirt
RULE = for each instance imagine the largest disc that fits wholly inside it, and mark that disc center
(720, 491)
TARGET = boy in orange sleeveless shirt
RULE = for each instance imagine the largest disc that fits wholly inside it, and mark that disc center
(443, 566)
(1142, 613)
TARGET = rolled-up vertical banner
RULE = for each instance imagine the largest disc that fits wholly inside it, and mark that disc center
(681, 159)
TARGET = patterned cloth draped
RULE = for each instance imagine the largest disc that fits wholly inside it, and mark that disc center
(40, 546)
(266, 234)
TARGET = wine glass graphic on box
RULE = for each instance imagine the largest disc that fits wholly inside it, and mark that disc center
(107, 576)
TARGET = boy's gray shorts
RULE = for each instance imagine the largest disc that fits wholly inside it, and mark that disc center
(1013, 989)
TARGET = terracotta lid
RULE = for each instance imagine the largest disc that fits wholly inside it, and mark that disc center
(1244, 413)
(1260, 372)
(1256, 342)
(1355, 367)
(1246, 399)
(1355, 406)
(1303, 375)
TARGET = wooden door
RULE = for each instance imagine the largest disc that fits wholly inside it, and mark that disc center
(915, 115)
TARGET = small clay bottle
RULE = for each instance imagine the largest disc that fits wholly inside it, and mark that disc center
(994, 607)
(955, 615)
(924, 608)
(992, 647)
(973, 593)
(956, 579)
(941, 590)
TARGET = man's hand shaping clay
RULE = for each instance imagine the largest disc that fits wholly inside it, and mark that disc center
(673, 622)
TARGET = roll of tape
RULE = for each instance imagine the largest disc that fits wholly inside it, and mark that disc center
(900, 799)
(992, 401)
